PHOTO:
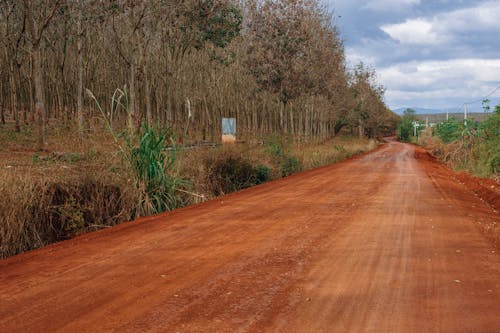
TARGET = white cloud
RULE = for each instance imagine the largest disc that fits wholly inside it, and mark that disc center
(354, 57)
(482, 17)
(427, 53)
(432, 72)
(415, 31)
(440, 80)
(445, 27)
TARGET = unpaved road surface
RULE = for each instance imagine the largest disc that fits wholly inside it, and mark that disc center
(384, 242)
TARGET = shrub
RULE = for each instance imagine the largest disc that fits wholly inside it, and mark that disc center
(153, 167)
(226, 172)
(263, 174)
(448, 130)
(287, 163)
(289, 166)
(147, 157)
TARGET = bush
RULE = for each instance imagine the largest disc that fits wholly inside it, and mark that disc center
(289, 166)
(227, 172)
(287, 163)
(448, 130)
(153, 166)
(471, 146)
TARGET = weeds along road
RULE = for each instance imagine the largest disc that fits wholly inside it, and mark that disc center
(384, 242)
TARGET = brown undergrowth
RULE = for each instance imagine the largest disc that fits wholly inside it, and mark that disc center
(81, 184)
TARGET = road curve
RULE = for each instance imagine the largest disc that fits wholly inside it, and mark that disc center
(384, 242)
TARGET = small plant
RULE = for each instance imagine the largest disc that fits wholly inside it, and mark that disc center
(287, 163)
(148, 159)
(262, 173)
(153, 168)
(275, 148)
(36, 158)
(70, 217)
(290, 165)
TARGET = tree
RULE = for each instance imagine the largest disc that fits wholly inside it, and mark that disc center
(369, 114)
(13, 40)
(277, 66)
(37, 22)
(406, 126)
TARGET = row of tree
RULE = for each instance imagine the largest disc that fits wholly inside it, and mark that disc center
(278, 66)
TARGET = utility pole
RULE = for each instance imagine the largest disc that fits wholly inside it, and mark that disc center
(465, 114)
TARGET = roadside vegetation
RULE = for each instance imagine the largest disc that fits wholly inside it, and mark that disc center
(80, 186)
(469, 145)
(111, 110)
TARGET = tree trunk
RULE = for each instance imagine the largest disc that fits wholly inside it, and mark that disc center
(147, 91)
(79, 96)
(40, 112)
(131, 111)
(13, 97)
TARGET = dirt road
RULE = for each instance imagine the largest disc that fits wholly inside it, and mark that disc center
(384, 242)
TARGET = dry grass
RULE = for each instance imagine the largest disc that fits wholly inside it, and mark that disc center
(313, 155)
(36, 211)
(80, 185)
(465, 154)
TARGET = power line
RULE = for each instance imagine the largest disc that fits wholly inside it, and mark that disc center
(485, 97)
(459, 108)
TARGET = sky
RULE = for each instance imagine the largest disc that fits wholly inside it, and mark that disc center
(427, 53)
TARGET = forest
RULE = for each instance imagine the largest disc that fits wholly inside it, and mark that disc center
(275, 66)
(112, 109)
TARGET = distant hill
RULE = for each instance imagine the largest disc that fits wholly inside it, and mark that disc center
(424, 110)
(438, 115)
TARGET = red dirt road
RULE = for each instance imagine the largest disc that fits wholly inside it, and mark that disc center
(384, 242)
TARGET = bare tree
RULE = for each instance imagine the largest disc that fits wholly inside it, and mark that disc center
(37, 22)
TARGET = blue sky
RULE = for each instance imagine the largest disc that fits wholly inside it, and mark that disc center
(427, 53)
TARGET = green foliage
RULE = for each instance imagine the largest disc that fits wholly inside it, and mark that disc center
(151, 157)
(288, 164)
(486, 105)
(490, 133)
(471, 145)
(153, 166)
(276, 148)
(448, 130)
(405, 128)
(263, 174)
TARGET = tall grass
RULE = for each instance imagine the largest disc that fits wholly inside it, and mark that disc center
(38, 211)
(154, 169)
(151, 156)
